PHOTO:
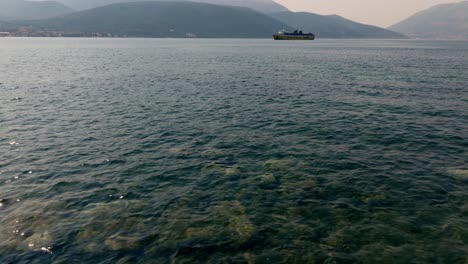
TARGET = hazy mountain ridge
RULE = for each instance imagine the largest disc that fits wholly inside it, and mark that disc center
(173, 18)
(264, 6)
(22, 10)
(333, 26)
(167, 19)
(446, 21)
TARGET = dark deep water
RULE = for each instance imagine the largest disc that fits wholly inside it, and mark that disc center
(233, 151)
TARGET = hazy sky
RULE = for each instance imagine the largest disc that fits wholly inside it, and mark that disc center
(376, 12)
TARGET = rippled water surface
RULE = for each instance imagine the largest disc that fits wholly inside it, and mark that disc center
(233, 151)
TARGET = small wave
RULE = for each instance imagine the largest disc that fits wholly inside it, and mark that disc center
(459, 173)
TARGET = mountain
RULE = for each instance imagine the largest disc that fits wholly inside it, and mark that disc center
(446, 21)
(264, 6)
(166, 19)
(333, 26)
(23, 10)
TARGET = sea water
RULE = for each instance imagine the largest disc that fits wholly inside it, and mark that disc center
(233, 151)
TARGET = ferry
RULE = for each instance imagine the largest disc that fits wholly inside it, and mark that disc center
(296, 35)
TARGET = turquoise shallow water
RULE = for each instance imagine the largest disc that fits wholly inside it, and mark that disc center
(233, 151)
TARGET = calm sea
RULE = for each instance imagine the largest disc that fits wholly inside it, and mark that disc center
(233, 151)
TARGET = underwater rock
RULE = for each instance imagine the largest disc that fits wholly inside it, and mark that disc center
(194, 247)
(373, 198)
(340, 258)
(213, 153)
(238, 220)
(90, 247)
(197, 233)
(231, 171)
(299, 187)
(39, 239)
(249, 258)
(302, 165)
(268, 178)
(104, 220)
(123, 243)
(279, 164)
(214, 168)
(127, 260)
(100, 231)
(30, 226)
(110, 209)
(179, 152)
(465, 209)
(267, 181)
(459, 173)
(222, 222)
(221, 169)
(87, 233)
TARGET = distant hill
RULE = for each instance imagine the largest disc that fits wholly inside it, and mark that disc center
(264, 6)
(333, 26)
(7, 27)
(447, 21)
(167, 19)
(23, 10)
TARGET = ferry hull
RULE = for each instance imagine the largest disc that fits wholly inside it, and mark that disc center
(291, 37)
